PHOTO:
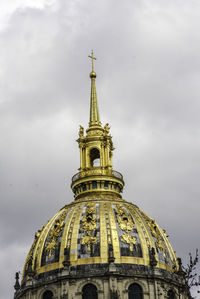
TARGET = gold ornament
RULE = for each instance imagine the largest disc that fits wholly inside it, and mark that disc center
(89, 225)
(106, 129)
(126, 224)
(81, 132)
(124, 220)
(55, 233)
(156, 233)
(88, 240)
(128, 239)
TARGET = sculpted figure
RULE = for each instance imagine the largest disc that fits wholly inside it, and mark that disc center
(37, 234)
(81, 131)
(106, 128)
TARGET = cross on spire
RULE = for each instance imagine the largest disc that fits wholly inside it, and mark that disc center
(94, 111)
(93, 58)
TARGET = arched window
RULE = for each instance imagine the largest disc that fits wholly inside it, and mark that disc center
(94, 157)
(171, 294)
(135, 291)
(47, 295)
(89, 291)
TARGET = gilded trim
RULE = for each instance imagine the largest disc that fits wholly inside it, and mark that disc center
(143, 235)
(40, 245)
(73, 249)
(114, 233)
(103, 235)
(65, 237)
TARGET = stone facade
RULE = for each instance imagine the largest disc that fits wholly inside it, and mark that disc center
(111, 284)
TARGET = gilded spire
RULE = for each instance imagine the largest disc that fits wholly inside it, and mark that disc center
(96, 175)
(94, 111)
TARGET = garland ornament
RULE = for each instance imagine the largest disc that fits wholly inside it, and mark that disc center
(55, 233)
(156, 233)
(126, 224)
(89, 225)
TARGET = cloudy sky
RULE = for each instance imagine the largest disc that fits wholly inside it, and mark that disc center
(148, 72)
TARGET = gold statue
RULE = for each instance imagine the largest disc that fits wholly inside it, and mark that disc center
(81, 132)
(106, 129)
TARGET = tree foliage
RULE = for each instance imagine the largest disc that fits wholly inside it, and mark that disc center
(191, 273)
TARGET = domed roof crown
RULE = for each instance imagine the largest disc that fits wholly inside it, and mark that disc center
(99, 227)
(99, 230)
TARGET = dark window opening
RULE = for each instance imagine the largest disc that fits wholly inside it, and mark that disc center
(171, 294)
(94, 185)
(95, 157)
(89, 291)
(84, 187)
(135, 291)
(106, 185)
(47, 295)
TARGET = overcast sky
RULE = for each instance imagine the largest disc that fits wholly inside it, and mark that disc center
(148, 74)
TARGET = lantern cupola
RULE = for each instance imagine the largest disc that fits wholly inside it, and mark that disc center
(96, 172)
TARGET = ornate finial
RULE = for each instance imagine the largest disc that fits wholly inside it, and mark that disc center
(153, 261)
(93, 58)
(180, 267)
(94, 111)
(30, 271)
(17, 285)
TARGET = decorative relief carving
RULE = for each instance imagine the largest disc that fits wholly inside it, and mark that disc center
(131, 240)
(55, 233)
(126, 224)
(156, 233)
(90, 218)
(160, 242)
(124, 220)
(89, 225)
(88, 240)
(95, 133)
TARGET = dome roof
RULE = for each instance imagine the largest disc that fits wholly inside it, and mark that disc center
(99, 230)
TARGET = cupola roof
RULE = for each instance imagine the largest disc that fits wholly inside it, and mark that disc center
(99, 227)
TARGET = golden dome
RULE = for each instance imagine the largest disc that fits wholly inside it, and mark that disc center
(99, 227)
(99, 231)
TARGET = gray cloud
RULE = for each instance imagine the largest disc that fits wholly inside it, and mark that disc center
(148, 71)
